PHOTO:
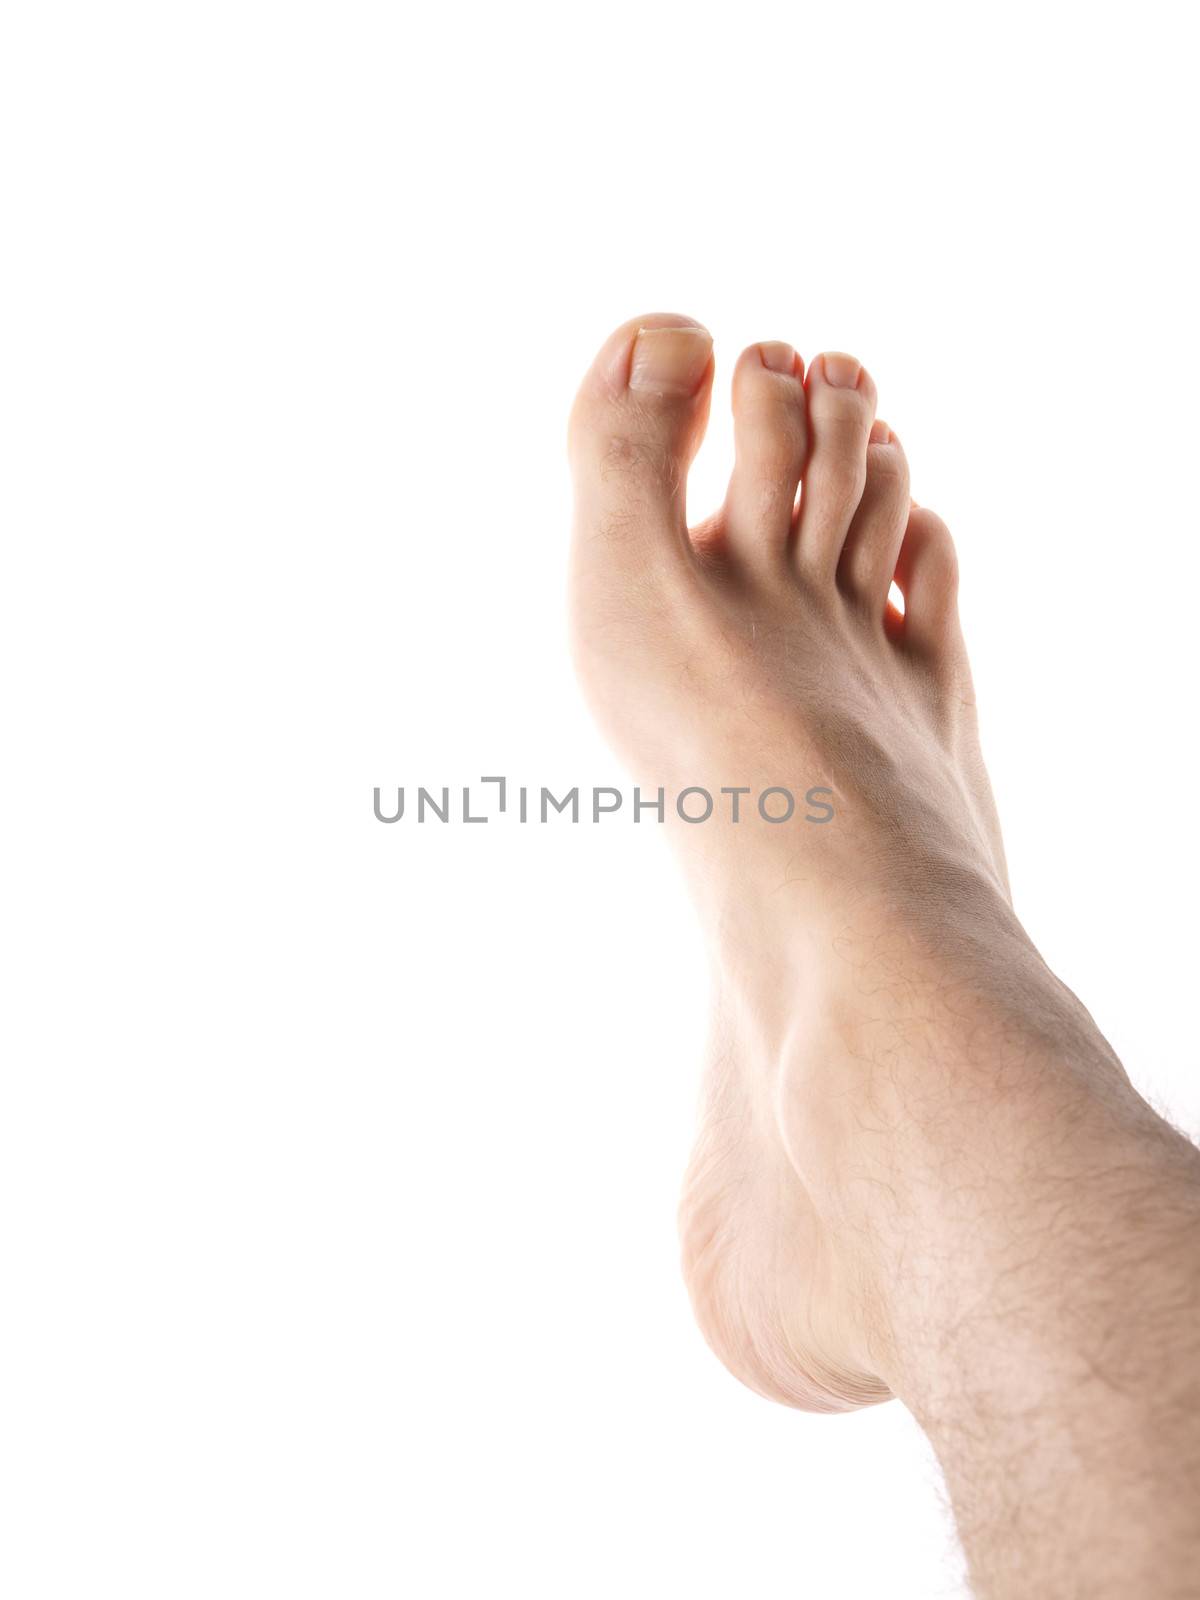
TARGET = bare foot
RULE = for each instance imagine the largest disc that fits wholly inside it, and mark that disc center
(760, 650)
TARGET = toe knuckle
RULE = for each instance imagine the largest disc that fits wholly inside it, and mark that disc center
(890, 467)
(840, 485)
(780, 455)
(887, 462)
(845, 408)
(636, 458)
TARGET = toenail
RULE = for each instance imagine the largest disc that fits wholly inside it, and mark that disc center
(841, 371)
(880, 433)
(777, 356)
(670, 360)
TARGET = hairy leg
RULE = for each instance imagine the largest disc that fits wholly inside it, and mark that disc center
(1024, 1238)
(920, 1169)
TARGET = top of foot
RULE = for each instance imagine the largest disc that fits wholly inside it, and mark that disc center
(760, 648)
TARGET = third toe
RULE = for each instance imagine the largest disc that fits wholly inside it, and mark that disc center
(841, 408)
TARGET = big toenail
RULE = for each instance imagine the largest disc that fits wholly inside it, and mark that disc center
(670, 361)
(777, 356)
(842, 371)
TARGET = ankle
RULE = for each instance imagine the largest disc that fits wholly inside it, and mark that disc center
(1062, 1182)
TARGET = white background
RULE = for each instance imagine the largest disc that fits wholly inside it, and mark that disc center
(339, 1162)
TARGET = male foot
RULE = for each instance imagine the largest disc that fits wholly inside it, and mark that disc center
(864, 967)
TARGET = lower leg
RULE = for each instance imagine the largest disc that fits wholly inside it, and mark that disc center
(1016, 1237)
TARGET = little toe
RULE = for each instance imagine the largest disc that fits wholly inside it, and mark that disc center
(868, 561)
(841, 408)
(635, 426)
(771, 435)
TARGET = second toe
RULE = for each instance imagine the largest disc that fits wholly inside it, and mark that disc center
(771, 436)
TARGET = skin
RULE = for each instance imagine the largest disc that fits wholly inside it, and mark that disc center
(920, 1171)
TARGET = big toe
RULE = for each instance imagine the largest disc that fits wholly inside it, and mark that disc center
(635, 425)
